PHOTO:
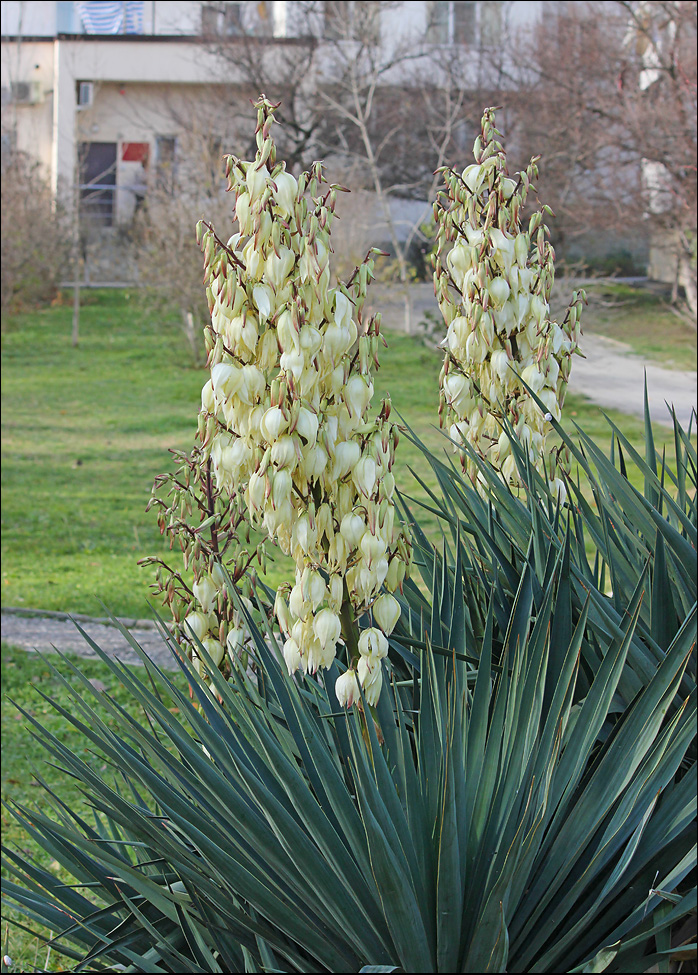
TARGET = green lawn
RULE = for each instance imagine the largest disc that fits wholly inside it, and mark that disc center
(84, 432)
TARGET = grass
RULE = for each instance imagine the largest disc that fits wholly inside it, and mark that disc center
(23, 758)
(86, 430)
(84, 433)
(643, 320)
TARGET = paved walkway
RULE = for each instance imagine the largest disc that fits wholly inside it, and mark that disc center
(56, 631)
(610, 375)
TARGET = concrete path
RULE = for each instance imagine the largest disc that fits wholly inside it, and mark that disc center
(613, 376)
(56, 631)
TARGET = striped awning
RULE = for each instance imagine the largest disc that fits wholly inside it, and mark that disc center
(117, 17)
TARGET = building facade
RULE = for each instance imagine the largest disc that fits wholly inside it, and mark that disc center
(104, 94)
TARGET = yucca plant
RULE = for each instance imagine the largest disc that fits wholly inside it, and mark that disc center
(489, 820)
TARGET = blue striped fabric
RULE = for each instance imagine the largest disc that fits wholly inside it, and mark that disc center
(107, 17)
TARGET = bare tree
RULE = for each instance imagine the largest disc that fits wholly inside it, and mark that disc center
(181, 190)
(609, 90)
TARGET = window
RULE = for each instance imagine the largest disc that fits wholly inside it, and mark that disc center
(438, 22)
(214, 154)
(463, 22)
(221, 19)
(463, 30)
(166, 161)
(8, 144)
(85, 94)
(111, 18)
(358, 21)
(490, 23)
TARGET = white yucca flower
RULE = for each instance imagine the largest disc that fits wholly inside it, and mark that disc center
(493, 279)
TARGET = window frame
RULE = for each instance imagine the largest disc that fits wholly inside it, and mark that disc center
(344, 14)
(448, 27)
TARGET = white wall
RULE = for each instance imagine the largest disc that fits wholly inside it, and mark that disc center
(125, 64)
(31, 124)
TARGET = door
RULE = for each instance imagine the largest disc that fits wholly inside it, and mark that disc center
(98, 182)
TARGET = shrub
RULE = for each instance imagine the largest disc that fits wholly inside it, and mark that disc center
(168, 258)
(34, 235)
(624, 547)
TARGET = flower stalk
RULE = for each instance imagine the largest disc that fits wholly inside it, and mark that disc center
(286, 415)
(493, 278)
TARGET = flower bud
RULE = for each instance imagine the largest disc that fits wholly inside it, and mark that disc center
(373, 643)
(336, 592)
(386, 612)
(214, 648)
(304, 534)
(256, 180)
(327, 628)
(281, 611)
(256, 489)
(206, 593)
(347, 454)
(208, 398)
(263, 300)
(558, 489)
(342, 312)
(226, 379)
(372, 548)
(499, 291)
(346, 689)
(283, 452)
(521, 249)
(235, 641)
(370, 675)
(292, 656)
(533, 377)
(473, 177)
(297, 601)
(357, 395)
(307, 425)
(285, 193)
(273, 423)
(364, 475)
(314, 589)
(242, 212)
(278, 267)
(196, 623)
(395, 575)
(281, 488)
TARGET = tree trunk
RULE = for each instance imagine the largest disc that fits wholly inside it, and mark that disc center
(687, 278)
